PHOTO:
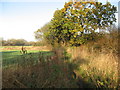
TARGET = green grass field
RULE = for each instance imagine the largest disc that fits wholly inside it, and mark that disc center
(11, 55)
(10, 58)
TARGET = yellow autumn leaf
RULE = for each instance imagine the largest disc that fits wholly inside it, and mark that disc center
(81, 29)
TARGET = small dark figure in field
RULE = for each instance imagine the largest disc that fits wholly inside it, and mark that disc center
(74, 75)
(23, 50)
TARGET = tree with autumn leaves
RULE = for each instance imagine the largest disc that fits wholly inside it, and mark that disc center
(77, 22)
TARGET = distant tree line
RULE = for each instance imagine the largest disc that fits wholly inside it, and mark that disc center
(20, 42)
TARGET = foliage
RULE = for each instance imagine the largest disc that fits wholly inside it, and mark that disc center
(21, 42)
(40, 35)
(14, 42)
(78, 20)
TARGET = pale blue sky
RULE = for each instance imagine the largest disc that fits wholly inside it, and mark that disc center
(20, 19)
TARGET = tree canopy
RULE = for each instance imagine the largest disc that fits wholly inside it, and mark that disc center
(77, 22)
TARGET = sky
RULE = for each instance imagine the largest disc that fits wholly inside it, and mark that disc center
(19, 19)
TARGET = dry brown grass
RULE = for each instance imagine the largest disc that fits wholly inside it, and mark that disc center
(50, 72)
(11, 48)
(98, 61)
